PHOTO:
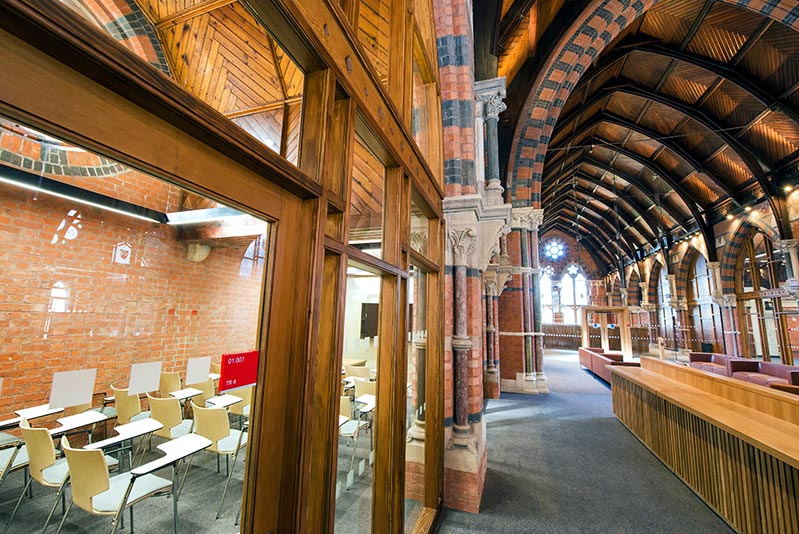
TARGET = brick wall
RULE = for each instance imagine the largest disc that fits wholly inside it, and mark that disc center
(66, 304)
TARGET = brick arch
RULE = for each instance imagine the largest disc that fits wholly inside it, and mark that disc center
(729, 258)
(615, 291)
(588, 36)
(125, 22)
(653, 282)
(683, 270)
(634, 289)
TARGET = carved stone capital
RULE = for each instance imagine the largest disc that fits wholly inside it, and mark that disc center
(490, 285)
(463, 242)
(493, 103)
(419, 240)
(529, 218)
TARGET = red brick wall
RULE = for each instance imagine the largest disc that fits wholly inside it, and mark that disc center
(160, 306)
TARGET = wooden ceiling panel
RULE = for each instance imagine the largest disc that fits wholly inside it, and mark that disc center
(674, 164)
(775, 58)
(775, 138)
(267, 127)
(640, 144)
(700, 190)
(715, 191)
(729, 164)
(647, 69)
(368, 177)
(724, 31)
(698, 140)
(661, 118)
(688, 82)
(575, 100)
(671, 20)
(611, 132)
(732, 105)
(293, 129)
(225, 59)
(626, 105)
(373, 32)
(627, 166)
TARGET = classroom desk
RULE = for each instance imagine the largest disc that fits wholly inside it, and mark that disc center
(174, 451)
(223, 401)
(10, 423)
(354, 362)
(37, 411)
(127, 431)
(71, 422)
(186, 393)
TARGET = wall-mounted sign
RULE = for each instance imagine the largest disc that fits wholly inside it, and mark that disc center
(238, 370)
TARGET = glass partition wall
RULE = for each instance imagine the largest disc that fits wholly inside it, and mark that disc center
(155, 290)
(278, 215)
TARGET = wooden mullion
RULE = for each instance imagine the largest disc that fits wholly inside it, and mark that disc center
(317, 115)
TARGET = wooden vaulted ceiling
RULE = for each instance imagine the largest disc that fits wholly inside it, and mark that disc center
(691, 113)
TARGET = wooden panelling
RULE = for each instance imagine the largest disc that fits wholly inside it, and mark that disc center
(753, 490)
(373, 32)
(766, 400)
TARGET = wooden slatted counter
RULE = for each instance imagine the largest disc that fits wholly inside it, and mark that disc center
(743, 462)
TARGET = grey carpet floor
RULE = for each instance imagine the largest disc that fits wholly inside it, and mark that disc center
(562, 463)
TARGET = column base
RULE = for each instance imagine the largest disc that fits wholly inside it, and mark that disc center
(491, 383)
(464, 473)
(462, 438)
(416, 432)
(524, 383)
(541, 383)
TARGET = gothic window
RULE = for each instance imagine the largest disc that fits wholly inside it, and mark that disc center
(555, 249)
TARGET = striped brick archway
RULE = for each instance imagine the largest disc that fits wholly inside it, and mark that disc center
(653, 282)
(591, 32)
(683, 269)
(734, 249)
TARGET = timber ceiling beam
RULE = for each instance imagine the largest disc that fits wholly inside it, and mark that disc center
(659, 137)
(723, 70)
(620, 224)
(512, 19)
(598, 224)
(594, 247)
(625, 212)
(702, 221)
(632, 203)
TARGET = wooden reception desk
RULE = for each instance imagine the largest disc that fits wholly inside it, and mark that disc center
(735, 444)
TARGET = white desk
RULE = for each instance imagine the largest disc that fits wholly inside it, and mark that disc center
(214, 376)
(71, 422)
(369, 402)
(128, 431)
(37, 411)
(187, 393)
(342, 419)
(223, 401)
(174, 451)
(9, 423)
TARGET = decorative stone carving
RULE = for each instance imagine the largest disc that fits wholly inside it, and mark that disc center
(463, 242)
(493, 103)
(419, 239)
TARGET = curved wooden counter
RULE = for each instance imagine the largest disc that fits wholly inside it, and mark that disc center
(742, 461)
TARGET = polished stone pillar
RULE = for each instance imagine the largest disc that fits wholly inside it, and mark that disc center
(536, 220)
(490, 286)
(490, 95)
(463, 243)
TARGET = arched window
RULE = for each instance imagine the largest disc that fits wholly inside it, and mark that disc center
(704, 314)
(253, 259)
(547, 273)
(554, 249)
(761, 312)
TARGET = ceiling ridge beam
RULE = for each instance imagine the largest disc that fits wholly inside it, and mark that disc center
(189, 13)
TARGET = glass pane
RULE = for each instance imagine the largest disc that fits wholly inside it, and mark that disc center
(241, 72)
(546, 291)
(566, 290)
(358, 405)
(373, 33)
(419, 119)
(366, 200)
(112, 268)
(581, 287)
(420, 230)
(417, 358)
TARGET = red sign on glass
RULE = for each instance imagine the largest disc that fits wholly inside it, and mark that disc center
(238, 370)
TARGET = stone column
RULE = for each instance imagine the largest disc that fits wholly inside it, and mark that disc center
(536, 221)
(490, 286)
(491, 93)
(463, 243)
(479, 145)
